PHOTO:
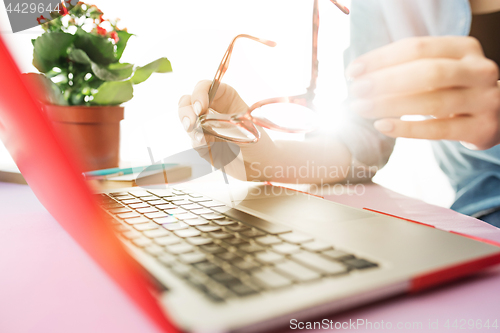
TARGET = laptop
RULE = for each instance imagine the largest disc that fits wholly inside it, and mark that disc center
(194, 261)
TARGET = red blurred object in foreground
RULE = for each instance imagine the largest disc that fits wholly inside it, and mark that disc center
(56, 180)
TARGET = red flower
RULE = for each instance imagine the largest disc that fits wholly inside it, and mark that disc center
(62, 10)
(101, 31)
(115, 37)
(39, 19)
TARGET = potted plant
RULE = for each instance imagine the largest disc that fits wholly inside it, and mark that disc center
(84, 83)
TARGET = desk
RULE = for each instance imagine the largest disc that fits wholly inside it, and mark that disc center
(49, 284)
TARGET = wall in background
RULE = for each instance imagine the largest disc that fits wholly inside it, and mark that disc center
(194, 34)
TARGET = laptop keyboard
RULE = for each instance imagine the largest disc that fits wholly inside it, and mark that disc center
(223, 252)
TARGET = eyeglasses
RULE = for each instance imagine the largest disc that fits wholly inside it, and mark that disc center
(292, 114)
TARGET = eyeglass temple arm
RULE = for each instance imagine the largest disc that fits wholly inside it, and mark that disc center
(340, 6)
(225, 63)
(315, 63)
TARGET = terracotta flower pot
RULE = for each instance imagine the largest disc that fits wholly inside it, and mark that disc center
(93, 132)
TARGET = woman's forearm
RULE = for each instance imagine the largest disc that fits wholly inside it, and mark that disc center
(316, 160)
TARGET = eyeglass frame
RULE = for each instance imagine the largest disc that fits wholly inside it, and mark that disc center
(245, 120)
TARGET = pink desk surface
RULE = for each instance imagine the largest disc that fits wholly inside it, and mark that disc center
(49, 284)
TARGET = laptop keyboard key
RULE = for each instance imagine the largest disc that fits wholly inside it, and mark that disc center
(125, 197)
(224, 222)
(136, 220)
(180, 248)
(149, 198)
(226, 278)
(168, 259)
(243, 290)
(118, 194)
(296, 271)
(166, 220)
(139, 193)
(155, 215)
(337, 255)
(142, 241)
(132, 234)
(228, 256)
(167, 240)
(201, 211)
(128, 215)
(211, 203)
(158, 202)
(296, 238)
(160, 232)
(269, 257)
(208, 268)
(319, 263)
(175, 211)
(181, 202)
(181, 270)
(212, 248)
(252, 233)
(120, 210)
(220, 235)
(161, 192)
(131, 201)
(286, 248)
(316, 246)
(146, 226)
(185, 233)
(213, 216)
(237, 228)
(246, 265)
(251, 248)
(208, 228)
(196, 222)
(360, 263)
(139, 205)
(166, 206)
(147, 210)
(268, 278)
(192, 206)
(154, 250)
(193, 257)
(268, 240)
(185, 216)
(175, 226)
(236, 241)
(199, 240)
(195, 198)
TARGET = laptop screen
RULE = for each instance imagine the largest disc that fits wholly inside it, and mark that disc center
(55, 177)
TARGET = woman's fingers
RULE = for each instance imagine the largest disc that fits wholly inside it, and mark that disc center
(186, 113)
(425, 75)
(199, 98)
(437, 103)
(411, 49)
(482, 132)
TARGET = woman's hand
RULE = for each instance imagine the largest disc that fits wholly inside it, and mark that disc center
(226, 101)
(446, 78)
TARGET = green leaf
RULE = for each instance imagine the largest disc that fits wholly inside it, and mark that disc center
(141, 74)
(99, 49)
(50, 48)
(113, 72)
(45, 90)
(114, 93)
(122, 42)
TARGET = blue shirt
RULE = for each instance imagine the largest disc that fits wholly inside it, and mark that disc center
(475, 175)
